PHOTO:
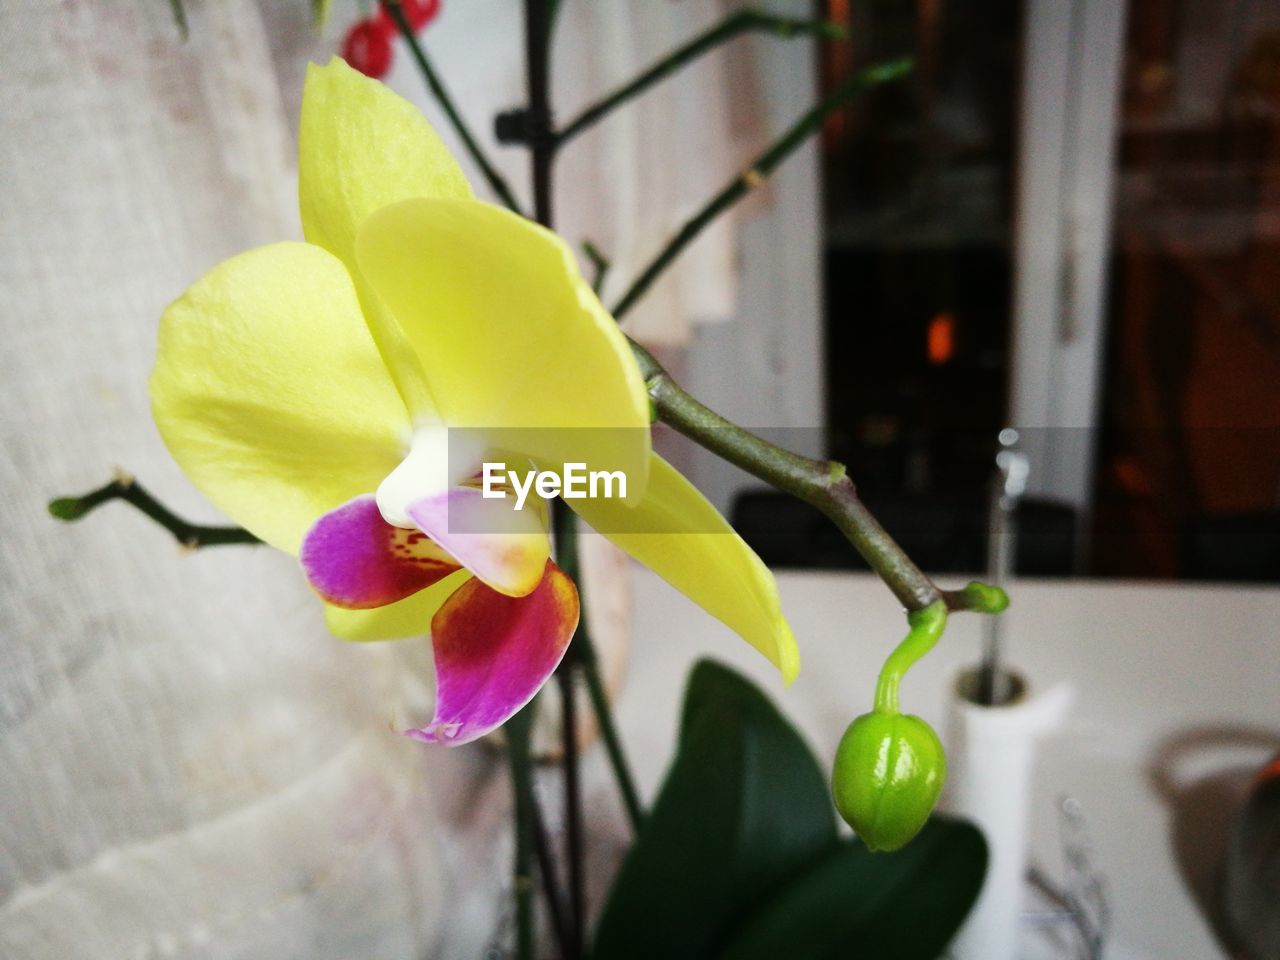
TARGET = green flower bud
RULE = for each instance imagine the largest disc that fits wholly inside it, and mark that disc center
(888, 773)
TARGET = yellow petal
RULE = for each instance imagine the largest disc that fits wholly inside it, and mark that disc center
(710, 563)
(510, 336)
(270, 394)
(361, 147)
(410, 617)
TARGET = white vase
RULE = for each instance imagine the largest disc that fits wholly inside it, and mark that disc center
(990, 757)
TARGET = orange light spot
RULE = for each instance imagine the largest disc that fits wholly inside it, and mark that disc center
(941, 343)
(1270, 772)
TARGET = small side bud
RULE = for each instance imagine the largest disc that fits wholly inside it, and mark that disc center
(985, 598)
(68, 508)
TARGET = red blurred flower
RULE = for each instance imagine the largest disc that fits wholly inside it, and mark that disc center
(419, 13)
(367, 47)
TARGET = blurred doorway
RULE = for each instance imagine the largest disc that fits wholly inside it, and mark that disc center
(1189, 458)
(1068, 220)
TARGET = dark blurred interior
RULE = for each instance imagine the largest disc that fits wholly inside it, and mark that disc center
(920, 193)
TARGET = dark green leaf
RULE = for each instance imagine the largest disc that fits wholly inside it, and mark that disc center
(873, 906)
(744, 811)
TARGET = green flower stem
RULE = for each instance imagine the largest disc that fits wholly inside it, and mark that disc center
(566, 553)
(823, 483)
(926, 627)
(125, 487)
(756, 173)
(517, 731)
(552, 896)
(538, 18)
(567, 682)
(727, 29)
(491, 174)
(609, 731)
(583, 652)
(541, 143)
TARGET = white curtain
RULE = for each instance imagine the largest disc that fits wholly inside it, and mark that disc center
(190, 766)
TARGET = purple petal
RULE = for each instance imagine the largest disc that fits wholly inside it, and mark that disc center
(494, 652)
(355, 559)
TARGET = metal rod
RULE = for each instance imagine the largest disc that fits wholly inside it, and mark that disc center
(1007, 488)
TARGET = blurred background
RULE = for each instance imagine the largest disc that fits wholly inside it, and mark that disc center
(1066, 222)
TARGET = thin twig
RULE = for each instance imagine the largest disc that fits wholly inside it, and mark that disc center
(583, 654)
(179, 11)
(496, 181)
(586, 653)
(125, 487)
(550, 884)
(572, 947)
(757, 172)
(573, 808)
(600, 265)
(736, 23)
(564, 524)
(320, 13)
(539, 115)
(537, 54)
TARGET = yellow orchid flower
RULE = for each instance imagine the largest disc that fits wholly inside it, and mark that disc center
(309, 390)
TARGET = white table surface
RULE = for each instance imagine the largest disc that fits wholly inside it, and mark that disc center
(1153, 666)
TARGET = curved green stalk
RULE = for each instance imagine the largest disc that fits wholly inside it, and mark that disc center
(926, 627)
